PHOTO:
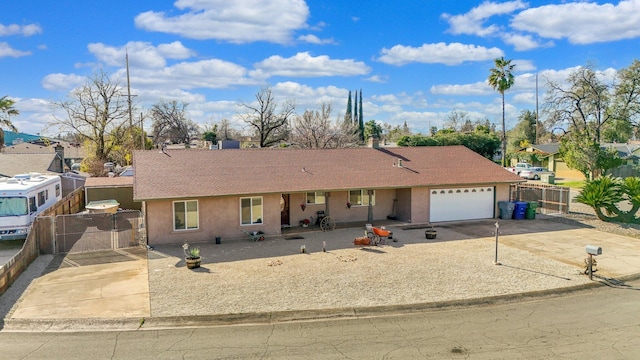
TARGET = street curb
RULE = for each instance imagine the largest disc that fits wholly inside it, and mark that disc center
(263, 318)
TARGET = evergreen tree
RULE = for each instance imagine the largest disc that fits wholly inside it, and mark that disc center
(361, 119)
(355, 103)
(347, 115)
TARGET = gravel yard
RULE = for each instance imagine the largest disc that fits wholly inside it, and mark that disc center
(411, 271)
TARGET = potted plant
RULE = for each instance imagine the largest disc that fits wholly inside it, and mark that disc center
(304, 222)
(192, 256)
(430, 233)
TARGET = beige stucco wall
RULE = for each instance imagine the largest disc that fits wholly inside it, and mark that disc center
(420, 205)
(337, 205)
(220, 216)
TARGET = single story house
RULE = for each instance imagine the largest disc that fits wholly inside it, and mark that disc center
(549, 158)
(196, 195)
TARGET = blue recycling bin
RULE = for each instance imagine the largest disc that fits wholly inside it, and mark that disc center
(520, 210)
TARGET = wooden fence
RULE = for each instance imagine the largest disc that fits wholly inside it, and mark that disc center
(551, 199)
(40, 237)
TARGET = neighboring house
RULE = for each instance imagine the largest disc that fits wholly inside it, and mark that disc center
(11, 138)
(25, 158)
(118, 188)
(549, 156)
(197, 195)
(38, 157)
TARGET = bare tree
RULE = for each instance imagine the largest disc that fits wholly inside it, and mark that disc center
(227, 132)
(94, 112)
(314, 129)
(271, 126)
(456, 120)
(171, 124)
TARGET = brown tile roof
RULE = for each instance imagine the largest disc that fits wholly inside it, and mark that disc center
(195, 173)
(120, 181)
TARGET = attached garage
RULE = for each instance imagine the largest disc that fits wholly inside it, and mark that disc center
(450, 204)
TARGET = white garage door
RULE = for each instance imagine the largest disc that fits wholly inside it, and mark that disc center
(461, 203)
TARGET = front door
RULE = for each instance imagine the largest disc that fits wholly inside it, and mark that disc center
(284, 210)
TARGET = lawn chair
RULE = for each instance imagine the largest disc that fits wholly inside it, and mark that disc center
(255, 236)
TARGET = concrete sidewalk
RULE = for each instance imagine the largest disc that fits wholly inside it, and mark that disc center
(112, 290)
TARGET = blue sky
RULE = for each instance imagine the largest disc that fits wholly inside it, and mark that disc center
(415, 61)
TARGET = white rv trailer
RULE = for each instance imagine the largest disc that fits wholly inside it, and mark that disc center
(22, 198)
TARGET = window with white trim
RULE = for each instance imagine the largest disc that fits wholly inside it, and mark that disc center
(251, 210)
(185, 215)
(361, 197)
(315, 197)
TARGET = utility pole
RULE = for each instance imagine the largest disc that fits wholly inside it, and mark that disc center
(126, 57)
(142, 137)
(537, 108)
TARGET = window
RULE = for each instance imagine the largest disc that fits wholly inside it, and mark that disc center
(185, 215)
(316, 197)
(32, 205)
(361, 197)
(251, 210)
(41, 198)
(57, 190)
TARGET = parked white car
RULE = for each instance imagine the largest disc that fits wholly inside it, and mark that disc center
(535, 173)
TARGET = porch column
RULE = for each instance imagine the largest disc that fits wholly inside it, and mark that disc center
(327, 196)
(370, 214)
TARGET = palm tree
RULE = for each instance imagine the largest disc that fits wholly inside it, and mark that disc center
(6, 110)
(501, 79)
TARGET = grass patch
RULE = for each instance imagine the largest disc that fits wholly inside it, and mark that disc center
(572, 184)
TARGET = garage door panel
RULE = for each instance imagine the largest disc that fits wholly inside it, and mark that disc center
(450, 204)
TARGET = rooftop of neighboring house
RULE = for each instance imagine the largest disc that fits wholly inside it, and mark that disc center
(193, 172)
(117, 181)
(624, 149)
(14, 164)
(71, 151)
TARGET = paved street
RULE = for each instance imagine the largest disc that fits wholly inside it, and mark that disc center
(599, 323)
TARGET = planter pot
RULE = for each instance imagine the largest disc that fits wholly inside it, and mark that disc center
(193, 263)
(430, 234)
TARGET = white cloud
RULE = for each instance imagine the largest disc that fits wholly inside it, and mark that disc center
(523, 65)
(522, 42)
(582, 22)
(141, 54)
(6, 50)
(312, 39)
(14, 29)
(304, 65)
(479, 88)
(62, 82)
(417, 99)
(449, 54)
(232, 21)
(208, 74)
(378, 79)
(472, 22)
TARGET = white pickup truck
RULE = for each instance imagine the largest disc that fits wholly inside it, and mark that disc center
(519, 167)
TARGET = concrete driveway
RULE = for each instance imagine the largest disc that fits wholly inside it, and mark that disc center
(115, 285)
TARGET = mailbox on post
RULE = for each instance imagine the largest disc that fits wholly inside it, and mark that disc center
(594, 250)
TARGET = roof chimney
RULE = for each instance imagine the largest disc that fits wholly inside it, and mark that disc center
(374, 141)
(59, 149)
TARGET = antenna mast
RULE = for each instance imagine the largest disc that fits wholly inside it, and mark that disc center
(126, 57)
